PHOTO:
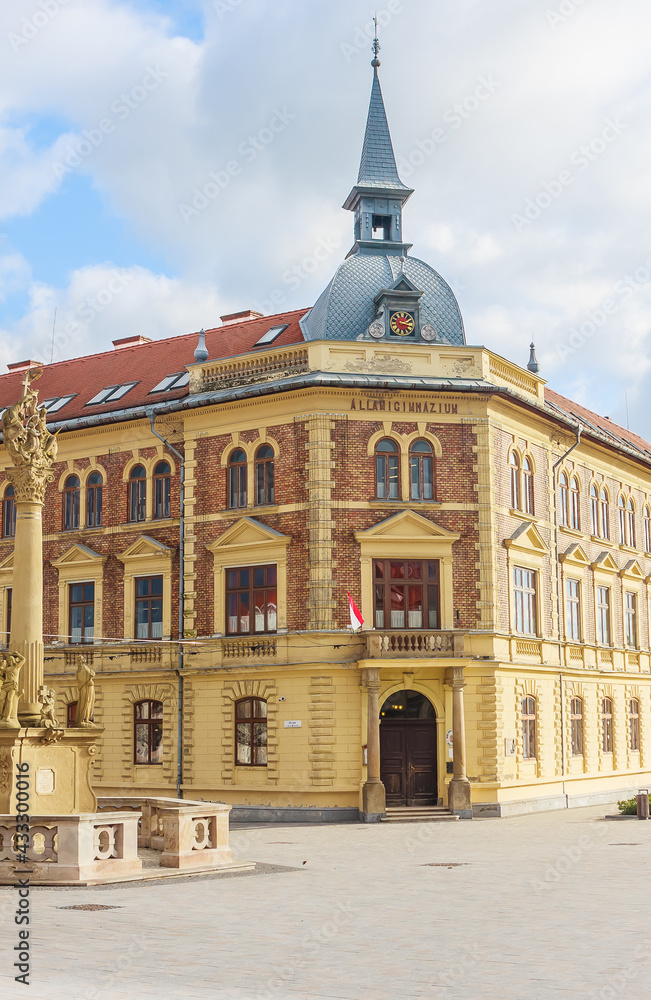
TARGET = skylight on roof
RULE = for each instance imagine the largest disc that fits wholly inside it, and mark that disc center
(271, 335)
(111, 393)
(177, 381)
(58, 402)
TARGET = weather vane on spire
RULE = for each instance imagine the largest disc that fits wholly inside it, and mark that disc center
(375, 62)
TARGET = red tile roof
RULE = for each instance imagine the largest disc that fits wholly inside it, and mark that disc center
(608, 427)
(148, 364)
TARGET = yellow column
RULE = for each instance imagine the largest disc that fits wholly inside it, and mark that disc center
(27, 607)
(373, 794)
(459, 794)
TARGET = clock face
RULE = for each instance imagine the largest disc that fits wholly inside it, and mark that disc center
(402, 324)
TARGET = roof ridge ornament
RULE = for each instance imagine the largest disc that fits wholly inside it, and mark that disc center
(532, 364)
(201, 351)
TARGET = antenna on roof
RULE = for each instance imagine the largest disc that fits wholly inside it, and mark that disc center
(53, 329)
(375, 62)
(626, 399)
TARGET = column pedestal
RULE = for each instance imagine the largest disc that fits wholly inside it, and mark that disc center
(459, 791)
(373, 793)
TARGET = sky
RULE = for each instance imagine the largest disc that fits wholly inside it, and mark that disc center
(164, 163)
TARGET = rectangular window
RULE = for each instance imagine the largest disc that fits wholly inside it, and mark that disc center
(82, 612)
(607, 725)
(576, 722)
(149, 607)
(407, 594)
(631, 619)
(603, 615)
(251, 600)
(634, 721)
(9, 594)
(528, 728)
(524, 591)
(573, 623)
(138, 500)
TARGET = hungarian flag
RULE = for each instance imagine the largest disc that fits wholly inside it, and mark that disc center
(356, 620)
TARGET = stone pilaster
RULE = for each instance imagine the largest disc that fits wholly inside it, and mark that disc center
(459, 794)
(373, 793)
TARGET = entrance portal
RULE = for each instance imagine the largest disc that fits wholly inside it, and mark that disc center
(408, 750)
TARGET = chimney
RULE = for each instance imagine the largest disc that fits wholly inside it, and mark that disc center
(240, 317)
(131, 341)
(22, 366)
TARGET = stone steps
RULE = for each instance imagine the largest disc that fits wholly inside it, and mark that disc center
(418, 814)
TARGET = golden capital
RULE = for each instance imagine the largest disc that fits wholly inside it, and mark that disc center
(31, 447)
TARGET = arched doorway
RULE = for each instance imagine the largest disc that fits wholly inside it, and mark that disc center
(408, 750)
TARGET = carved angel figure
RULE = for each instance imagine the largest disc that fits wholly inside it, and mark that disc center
(10, 693)
(48, 720)
(86, 699)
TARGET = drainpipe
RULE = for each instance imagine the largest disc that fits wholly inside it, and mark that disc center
(559, 600)
(179, 668)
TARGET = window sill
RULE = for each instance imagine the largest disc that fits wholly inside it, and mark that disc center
(433, 504)
(523, 515)
(601, 541)
(575, 532)
(627, 548)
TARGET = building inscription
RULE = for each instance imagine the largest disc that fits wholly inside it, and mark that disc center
(402, 406)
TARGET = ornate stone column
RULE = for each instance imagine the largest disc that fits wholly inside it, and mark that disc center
(32, 450)
(459, 795)
(373, 794)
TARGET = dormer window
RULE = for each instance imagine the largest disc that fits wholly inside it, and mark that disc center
(111, 393)
(177, 381)
(381, 227)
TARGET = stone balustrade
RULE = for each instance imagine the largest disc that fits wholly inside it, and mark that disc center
(413, 644)
(86, 848)
(189, 834)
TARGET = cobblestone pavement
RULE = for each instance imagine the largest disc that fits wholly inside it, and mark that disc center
(552, 906)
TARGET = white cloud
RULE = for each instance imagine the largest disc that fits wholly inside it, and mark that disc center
(554, 92)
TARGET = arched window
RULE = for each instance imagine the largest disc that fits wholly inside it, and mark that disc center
(630, 522)
(575, 504)
(514, 466)
(264, 475)
(237, 479)
(251, 732)
(607, 725)
(528, 727)
(148, 732)
(594, 509)
(634, 723)
(576, 723)
(527, 485)
(71, 503)
(647, 529)
(563, 507)
(162, 489)
(387, 470)
(9, 513)
(421, 471)
(621, 507)
(94, 500)
(138, 493)
(604, 504)
(71, 714)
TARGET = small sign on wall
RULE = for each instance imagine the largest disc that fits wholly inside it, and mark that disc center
(509, 746)
(293, 724)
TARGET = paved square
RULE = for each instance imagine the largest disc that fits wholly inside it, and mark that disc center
(552, 906)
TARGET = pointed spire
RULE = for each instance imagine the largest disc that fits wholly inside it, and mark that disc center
(201, 351)
(532, 364)
(377, 167)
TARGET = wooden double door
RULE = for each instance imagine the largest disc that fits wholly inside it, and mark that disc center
(408, 761)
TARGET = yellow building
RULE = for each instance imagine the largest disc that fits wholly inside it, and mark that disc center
(218, 497)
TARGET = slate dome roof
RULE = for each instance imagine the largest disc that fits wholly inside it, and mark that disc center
(345, 308)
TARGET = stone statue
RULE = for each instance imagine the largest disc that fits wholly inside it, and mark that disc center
(48, 720)
(10, 693)
(31, 447)
(86, 699)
